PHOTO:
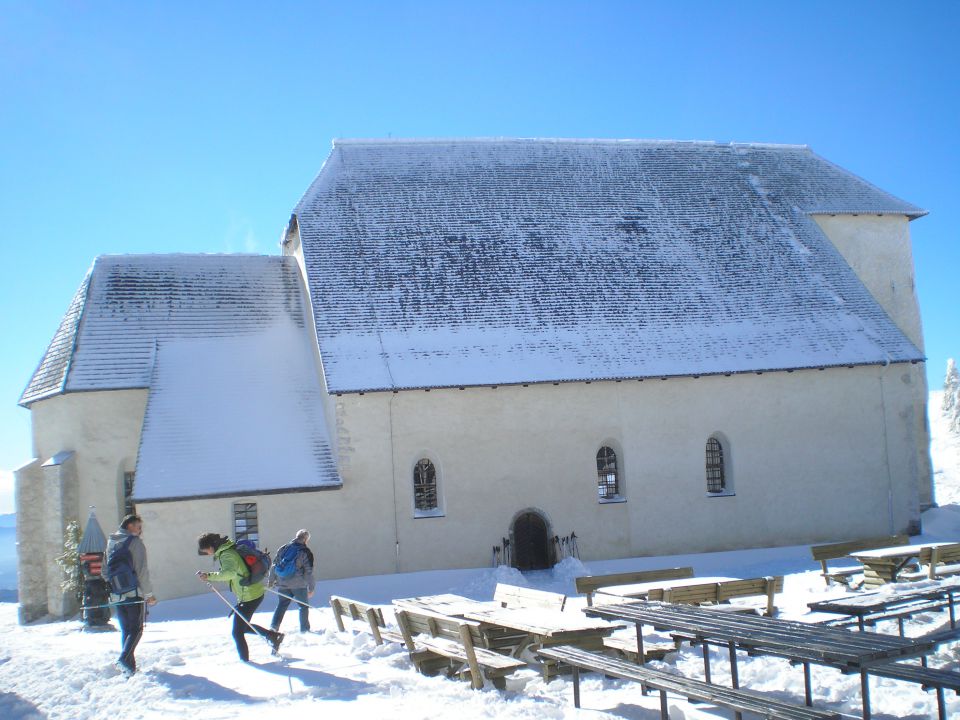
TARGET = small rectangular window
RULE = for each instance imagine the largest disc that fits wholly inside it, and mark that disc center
(245, 525)
(128, 506)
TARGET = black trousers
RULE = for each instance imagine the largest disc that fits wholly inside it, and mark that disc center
(131, 616)
(242, 625)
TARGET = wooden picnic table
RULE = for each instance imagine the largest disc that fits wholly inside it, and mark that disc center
(798, 642)
(883, 565)
(516, 630)
(863, 605)
(445, 604)
(654, 590)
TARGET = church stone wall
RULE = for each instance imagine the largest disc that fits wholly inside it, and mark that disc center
(878, 249)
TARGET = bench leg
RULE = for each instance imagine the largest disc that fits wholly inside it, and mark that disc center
(576, 686)
(807, 694)
(734, 675)
(640, 659)
(953, 617)
(664, 713)
(706, 662)
(865, 694)
(941, 708)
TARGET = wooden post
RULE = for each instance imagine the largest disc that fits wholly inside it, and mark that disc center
(337, 609)
(471, 654)
(576, 686)
(807, 694)
(771, 591)
(405, 630)
(374, 625)
(865, 694)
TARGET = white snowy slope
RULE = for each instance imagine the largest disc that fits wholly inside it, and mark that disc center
(189, 667)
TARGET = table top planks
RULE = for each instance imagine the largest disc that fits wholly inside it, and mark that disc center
(784, 638)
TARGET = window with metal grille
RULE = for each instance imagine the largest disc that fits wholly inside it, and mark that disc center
(245, 525)
(128, 506)
(716, 480)
(424, 485)
(608, 482)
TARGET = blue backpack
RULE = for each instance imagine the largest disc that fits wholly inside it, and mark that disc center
(286, 564)
(256, 561)
(120, 573)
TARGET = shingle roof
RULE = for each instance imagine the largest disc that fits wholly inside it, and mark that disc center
(128, 303)
(223, 344)
(481, 262)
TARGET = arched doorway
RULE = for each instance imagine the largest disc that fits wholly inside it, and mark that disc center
(531, 547)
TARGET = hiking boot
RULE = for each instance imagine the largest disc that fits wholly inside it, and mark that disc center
(277, 639)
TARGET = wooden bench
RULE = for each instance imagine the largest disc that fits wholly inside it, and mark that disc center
(370, 614)
(737, 699)
(833, 551)
(899, 612)
(752, 587)
(589, 584)
(456, 646)
(720, 593)
(927, 678)
(513, 596)
(940, 562)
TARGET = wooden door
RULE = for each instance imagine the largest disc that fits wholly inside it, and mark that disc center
(531, 551)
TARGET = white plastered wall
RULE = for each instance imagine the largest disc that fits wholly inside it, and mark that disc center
(878, 249)
(811, 459)
(82, 444)
(813, 456)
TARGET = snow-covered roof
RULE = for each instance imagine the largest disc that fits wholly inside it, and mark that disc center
(223, 343)
(128, 303)
(439, 263)
(237, 415)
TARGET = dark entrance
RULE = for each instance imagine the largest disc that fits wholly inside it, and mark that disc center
(531, 551)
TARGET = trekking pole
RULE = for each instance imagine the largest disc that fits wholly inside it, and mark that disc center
(237, 613)
(289, 597)
(112, 604)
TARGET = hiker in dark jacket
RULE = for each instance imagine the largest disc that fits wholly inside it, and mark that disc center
(131, 606)
(249, 597)
(296, 587)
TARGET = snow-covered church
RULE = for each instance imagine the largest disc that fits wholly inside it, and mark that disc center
(661, 347)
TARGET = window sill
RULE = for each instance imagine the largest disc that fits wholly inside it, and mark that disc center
(428, 513)
(612, 500)
(725, 493)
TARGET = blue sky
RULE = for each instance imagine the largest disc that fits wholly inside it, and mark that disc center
(195, 127)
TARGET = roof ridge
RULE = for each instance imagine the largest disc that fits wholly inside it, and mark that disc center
(337, 142)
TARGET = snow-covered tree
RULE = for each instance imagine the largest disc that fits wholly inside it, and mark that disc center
(951, 396)
(69, 561)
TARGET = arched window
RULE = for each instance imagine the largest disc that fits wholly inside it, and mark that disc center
(716, 478)
(608, 479)
(424, 486)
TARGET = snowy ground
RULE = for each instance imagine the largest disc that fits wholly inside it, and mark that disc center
(189, 665)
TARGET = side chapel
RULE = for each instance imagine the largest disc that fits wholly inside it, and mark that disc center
(664, 347)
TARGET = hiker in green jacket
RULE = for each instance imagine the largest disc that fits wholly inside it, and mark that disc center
(249, 597)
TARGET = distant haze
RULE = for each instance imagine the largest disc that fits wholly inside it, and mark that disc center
(6, 492)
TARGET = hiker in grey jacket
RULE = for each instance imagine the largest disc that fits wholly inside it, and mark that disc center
(131, 606)
(297, 587)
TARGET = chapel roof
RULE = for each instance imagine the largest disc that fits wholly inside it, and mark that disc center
(222, 344)
(444, 263)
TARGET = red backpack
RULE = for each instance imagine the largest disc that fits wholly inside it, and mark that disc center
(256, 561)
